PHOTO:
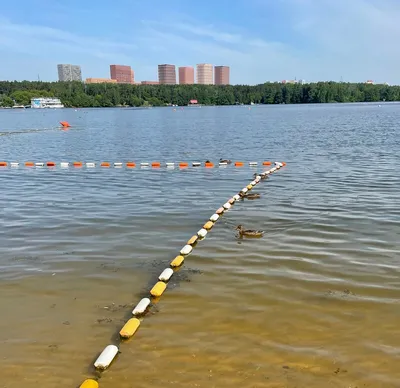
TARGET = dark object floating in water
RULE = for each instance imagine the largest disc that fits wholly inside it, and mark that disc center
(249, 232)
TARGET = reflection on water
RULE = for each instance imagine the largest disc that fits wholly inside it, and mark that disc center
(313, 303)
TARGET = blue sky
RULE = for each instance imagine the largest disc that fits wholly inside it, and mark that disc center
(261, 40)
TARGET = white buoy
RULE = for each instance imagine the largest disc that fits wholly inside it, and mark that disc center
(64, 164)
(202, 233)
(196, 164)
(244, 190)
(170, 164)
(143, 164)
(227, 205)
(90, 165)
(253, 183)
(223, 163)
(279, 164)
(272, 169)
(253, 163)
(117, 164)
(186, 250)
(106, 357)
(236, 197)
(39, 164)
(166, 274)
(141, 306)
(214, 217)
(14, 164)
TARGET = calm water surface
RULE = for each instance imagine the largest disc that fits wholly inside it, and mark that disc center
(315, 303)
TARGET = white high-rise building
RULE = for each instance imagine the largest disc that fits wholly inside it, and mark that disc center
(205, 74)
(69, 72)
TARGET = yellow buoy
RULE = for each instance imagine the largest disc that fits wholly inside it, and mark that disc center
(89, 383)
(130, 328)
(208, 225)
(249, 187)
(177, 262)
(158, 289)
(192, 240)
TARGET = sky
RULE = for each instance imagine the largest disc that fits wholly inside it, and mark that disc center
(261, 40)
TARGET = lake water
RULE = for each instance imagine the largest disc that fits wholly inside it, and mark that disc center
(314, 303)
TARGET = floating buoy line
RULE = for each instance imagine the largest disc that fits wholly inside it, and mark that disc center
(107, 356)
(126, 165)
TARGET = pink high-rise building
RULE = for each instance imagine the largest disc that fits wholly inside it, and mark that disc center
(123, 74)
(221, 75)
(166, 74)
(186, 75)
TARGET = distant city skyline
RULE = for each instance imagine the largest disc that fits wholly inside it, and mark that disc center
(260, 40)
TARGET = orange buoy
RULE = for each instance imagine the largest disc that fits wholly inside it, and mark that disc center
(50, 164)
(130, 164)
(284, 163)
(77, 164)
(239, 164)
(105, 164)
(3, 164)
(65, 124)
(183, 164)
(156, 165)
(29, 164)
(209, 164)
(267, 163)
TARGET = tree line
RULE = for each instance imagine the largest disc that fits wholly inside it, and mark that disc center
(78, 94)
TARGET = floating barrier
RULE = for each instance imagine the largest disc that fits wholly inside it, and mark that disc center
(89, 383)
(202, 233)
(130, 328)
(166, 274)
(158, 289)
(131, 164)
(227, 206)
(220, 210)
(141, 307)
(178, 261)
(192, 240)
(214, 217)
(106, 357)
(132, 325)
(186, 250)
(208, 225)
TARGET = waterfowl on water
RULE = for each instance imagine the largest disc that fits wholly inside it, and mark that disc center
(249, 232)
(227, 161)
(262, 176)
(250, 195)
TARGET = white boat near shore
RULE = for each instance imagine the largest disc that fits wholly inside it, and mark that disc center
(46, 102)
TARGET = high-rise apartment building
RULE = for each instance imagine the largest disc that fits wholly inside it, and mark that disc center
(221, 75)
(69, 72)
(166, 74)
(205, 74)
(122, 74)
(186, 75)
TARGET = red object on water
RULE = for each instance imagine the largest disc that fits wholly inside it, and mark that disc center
(65, 124)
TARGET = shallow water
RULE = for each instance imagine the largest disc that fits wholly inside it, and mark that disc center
(314, 303)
